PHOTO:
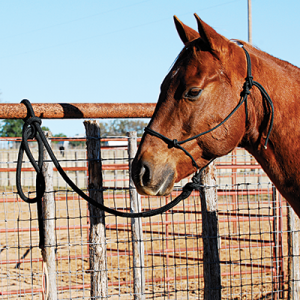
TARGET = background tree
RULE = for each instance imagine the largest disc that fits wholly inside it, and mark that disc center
(58, 135)
(120, 127)
(45, 128)
(13, 128)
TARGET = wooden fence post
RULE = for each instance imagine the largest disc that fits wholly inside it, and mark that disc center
(77, 182)
(136, 226)
(49, 224)
(97, 239)
(293, 255)
(211, 260)
(8, 173)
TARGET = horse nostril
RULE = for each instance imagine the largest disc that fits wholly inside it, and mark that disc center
(144, 175)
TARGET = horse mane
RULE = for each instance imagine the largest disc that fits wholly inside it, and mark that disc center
(268, 57)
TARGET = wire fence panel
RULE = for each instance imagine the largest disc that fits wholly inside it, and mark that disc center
(253, 236)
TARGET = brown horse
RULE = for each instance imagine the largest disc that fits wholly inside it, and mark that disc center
(203, 87)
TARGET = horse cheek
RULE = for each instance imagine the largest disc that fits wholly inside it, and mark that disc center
(220, 133)
(222, 141)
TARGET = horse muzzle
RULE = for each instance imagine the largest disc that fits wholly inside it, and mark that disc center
(152, 179)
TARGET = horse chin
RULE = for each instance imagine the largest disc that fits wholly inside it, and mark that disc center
(150, 191)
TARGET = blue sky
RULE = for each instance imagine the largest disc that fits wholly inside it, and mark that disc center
(119, 51)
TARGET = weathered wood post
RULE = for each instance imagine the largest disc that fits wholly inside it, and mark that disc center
(211, 260)
(293, 255)
(97, 239)
(48, 252)
(8, 173)
(136, 226)
(115, 171)
(77, 182)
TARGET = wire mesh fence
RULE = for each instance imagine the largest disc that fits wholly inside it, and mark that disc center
(254, 239)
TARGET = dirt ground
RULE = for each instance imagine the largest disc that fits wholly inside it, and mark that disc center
(173, 267)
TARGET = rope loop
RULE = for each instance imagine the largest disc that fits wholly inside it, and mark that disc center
(30, 131)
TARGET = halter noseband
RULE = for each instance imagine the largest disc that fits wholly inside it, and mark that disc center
(249, 82)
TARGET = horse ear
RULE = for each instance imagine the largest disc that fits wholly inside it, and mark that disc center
(186, 33)
(209, 35)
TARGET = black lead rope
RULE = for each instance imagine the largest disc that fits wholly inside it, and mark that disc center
(32, 129)
(29, 132)
(249, 82)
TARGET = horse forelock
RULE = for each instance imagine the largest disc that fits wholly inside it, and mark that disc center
(193, 47)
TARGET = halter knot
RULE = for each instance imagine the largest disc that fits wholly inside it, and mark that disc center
(248, 84)
(196, 179)
(174, 143)
(30, 127)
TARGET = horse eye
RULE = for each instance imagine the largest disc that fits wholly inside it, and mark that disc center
(193, 93)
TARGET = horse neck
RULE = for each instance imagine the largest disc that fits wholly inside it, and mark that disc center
(280, 161)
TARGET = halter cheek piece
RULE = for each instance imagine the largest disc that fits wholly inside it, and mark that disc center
(246, 91)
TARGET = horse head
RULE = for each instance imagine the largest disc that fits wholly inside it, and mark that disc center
(202, 88)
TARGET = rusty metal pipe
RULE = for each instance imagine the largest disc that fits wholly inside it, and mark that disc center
(78, 110)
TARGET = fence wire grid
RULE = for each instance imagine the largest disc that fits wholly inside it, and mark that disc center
(255, 236)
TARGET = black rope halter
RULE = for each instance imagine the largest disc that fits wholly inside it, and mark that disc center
(32, 129)
(246, 91)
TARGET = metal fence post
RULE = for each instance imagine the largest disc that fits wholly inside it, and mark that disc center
(136, 226)
(49, 224)
(97, 239)
(211, 260)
